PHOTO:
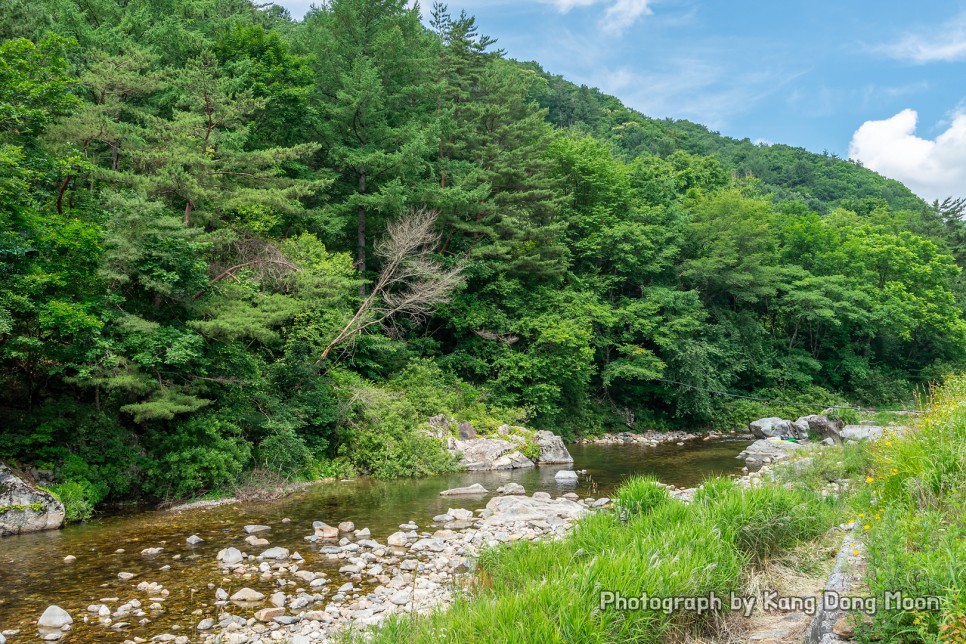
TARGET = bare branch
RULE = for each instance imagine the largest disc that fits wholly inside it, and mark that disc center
(412, 282)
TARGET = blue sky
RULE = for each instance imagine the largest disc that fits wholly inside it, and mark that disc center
(881, 81)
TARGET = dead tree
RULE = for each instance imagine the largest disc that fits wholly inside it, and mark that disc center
(412, 282)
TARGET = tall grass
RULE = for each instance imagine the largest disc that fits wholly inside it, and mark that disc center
(654, 545)
(912, 509)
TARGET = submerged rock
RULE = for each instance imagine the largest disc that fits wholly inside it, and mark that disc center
(476, 488)
(565, 476)
(24, 508)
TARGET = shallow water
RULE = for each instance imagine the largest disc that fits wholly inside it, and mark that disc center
(33, 574)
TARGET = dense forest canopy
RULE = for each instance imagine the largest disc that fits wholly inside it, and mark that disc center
(196, 201)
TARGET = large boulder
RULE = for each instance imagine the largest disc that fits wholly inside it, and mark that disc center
(489, 454)
(824, 426)
(502, 509)
(552, 449)
(771, 427)
(767, 451)
(24, 508)
(861, 433)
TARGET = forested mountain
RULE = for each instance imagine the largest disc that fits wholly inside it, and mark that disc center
(231, 241)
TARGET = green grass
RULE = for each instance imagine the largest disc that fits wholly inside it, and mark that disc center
(653, 544)
(911, 509)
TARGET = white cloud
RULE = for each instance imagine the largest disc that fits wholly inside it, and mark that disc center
(945, 44)
(933, 169)
(620, 14)
(624, 13)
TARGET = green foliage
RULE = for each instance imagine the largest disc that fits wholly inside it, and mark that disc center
(78, 498)
(284, 452)
(202, 453)
(190, 195)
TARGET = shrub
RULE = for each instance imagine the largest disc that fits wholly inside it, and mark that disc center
(284, 453)
(202, 453)
(78, 498)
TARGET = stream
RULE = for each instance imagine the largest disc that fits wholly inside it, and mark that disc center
(33, 574)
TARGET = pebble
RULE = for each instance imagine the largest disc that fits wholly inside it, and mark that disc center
(124, 576)
(194, 540)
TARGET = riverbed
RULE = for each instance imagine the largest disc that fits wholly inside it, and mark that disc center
(33, 574)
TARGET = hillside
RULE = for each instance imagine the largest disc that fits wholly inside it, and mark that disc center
(239, 248)
(823, 181)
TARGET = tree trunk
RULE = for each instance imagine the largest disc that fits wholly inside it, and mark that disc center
(361, 238)
(187, 213)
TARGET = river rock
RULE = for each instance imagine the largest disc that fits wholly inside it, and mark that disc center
(861, 433)
(206, 624)
(70, 559)
(268, 614)
(24, 508)
(151, 552)
(476, 488)
(552, 449)
(397, 539)
(566, 476)
(55, 617)
(125, 576)
(194, 540)
(509, 488)
(230, 556)
(771, 427)
(489, 454)
(247, 595)
(522, 508)
(325, 531)
(766, 451)
(347, 526)
(274, 553)
(822, 425)
(255, 529)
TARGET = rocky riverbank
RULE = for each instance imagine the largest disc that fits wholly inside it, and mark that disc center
(358, 583)
(654, 438)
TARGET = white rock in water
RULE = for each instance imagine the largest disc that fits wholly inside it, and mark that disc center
(194, 540)
(230, 556)
(67, 559)
(565, 475)
(347, 526)
(124, 576)
(54, 617)
(511, 488)
(397, 539)
(274, 553)
(476, 488)
(206, 624)
(254, 529)
(247, 595)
